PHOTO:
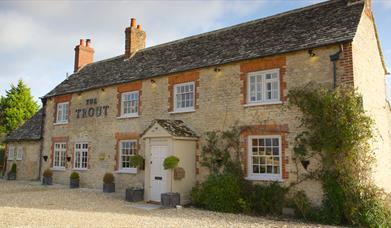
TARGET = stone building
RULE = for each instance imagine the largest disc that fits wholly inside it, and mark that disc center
(161, 100)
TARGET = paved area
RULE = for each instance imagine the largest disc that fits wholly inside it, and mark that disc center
(28, 204)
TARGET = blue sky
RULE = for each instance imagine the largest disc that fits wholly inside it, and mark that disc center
(37, 38)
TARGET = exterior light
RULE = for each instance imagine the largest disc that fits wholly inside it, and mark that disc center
(217, 69)
(153, 84)
(45, 158)
(68, 159)
(311, 53)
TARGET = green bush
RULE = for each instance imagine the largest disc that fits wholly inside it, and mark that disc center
(303, 208)
(220, 193)
(267, 199)
(74, 176)
(47, 173)
(13, 168)
(108, 178)
(170, 162)
(136, 161)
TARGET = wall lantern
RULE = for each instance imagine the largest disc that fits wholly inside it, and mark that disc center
(217, 69)
(305, 164)
(153, 84)
(103, 89)
(68, 159)
(311, 53)
(45, 158)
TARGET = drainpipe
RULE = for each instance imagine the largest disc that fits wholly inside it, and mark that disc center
(41, 145)
(334, 58)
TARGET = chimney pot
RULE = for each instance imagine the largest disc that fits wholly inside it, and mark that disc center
(88, 42)
(81, 42)
(139, 27)
(84, 54)
(133, 22)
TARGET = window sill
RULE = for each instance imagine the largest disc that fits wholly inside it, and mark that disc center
(60, 123)
(79, 169)
(182, 111)
(128, 117)
(58, 169)
(264, 178)
(127, 171)
(262, 104)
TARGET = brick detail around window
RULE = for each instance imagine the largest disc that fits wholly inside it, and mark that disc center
(60, 139)
(267, 63)
(271, 129)
(124, 136)
(128, 87)
(346, 64)
(62, 99)
(182, 78)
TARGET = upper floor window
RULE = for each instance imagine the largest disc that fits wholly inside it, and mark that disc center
(127, 150)
(11, 153)
(62, 112)
(81, 156)
(264, 161)
(59, 155)
(129, 104)
(184, 96)
(263, 87)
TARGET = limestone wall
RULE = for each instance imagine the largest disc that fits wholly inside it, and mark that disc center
(26, 168)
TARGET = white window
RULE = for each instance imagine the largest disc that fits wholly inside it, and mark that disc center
(264, 157)
(184, 97)
(60, 150)
(11, 153)
(263, 87)
(129, 104)
(62, 112)
(19, 154)
(127, 150)
(81, 156)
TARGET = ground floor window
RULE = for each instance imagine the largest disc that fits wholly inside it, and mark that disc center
(59, 155)
(127, 150)
(264, 161)
(81, 156)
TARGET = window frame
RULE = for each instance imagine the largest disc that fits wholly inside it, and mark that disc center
(263, 87)
(54, 155)
(9, 158)
(81, 157)
(186, 109)
(263, 176)
(120, 154)
(62, 109)
(128, 115)
(19, 153)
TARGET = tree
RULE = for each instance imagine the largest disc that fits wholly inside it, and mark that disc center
(16, 107)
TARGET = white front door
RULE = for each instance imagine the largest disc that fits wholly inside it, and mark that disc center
(159, 182)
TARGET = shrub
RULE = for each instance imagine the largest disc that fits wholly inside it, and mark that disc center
(170, 162)
(220, 193)
(108, 178)
(13, 168)
(303, 208)
(136, 160)
(267, 199)
(47, 173)
(74, 176)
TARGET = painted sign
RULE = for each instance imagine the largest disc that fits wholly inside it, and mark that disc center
(96, 111)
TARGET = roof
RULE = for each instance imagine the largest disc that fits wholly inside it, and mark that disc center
(173, 127)
(30, 130)
(314, 26)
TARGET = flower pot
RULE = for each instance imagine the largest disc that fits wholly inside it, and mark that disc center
(73, 183)
(109, 187)
(11, 176)
(47, 181)
(134, 194)
(170, 199)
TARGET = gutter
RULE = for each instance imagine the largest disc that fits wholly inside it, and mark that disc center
(334, 58)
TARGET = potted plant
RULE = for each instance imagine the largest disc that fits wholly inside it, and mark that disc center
(74, 180)
(135, 194)
(47, 177)
(108, 183)
(12, 173)
(170, 199)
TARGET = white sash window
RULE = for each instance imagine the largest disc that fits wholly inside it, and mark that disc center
(81, 156)
(263, 87)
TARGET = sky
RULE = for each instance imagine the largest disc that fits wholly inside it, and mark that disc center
(37, 38)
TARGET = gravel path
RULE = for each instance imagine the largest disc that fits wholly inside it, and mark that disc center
(28, 204)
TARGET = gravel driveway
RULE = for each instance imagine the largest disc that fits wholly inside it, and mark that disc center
(28, 204)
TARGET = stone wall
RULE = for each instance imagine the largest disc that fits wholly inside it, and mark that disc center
(28, 167)
(219, 106)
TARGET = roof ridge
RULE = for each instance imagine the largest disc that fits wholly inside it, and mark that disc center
(241, 24)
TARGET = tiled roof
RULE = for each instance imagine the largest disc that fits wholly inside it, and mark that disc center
(173, 127)
(318, 25)
(30, 130)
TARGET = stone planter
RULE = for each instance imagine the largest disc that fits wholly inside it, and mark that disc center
(170, 199)
(73, 183)
(134, 194)
(47, 181)
(11, 176)
(108, 188)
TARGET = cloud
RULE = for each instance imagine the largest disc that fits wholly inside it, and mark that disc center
(37, 38)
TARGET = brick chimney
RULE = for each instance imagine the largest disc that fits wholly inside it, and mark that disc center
(84, 54)
(134, 38)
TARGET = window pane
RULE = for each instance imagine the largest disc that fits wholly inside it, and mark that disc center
(184, 95)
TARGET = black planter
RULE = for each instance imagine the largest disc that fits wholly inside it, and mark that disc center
(170, 199)
(109, 187)
(73, 183)
(11, 176)
(134, 194)
(47, 181)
